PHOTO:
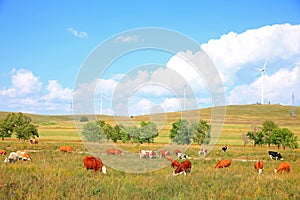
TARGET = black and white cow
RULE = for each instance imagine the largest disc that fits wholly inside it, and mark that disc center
(275, 155)
(224, 148)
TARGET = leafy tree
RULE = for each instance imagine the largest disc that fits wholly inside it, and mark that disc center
(202, 134)
(92, 132)
(256, 135)
(133, 133)
(100, 123)
(285, 138)
(182, 132)
(148, 132)
(19, 124)
(268, 128)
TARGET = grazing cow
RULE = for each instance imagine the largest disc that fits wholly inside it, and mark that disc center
(184, 167)
(91, 162)
(12, 158)
(182, 156)
(113, 152)
(2, 152)
(284, 166)
(176, 151)
(33, 141)
(23, 155)
(175, 163)
(275, 155)
(147, 154)
(66, 149)
(223, 163)
(164, 153)
(224, 148)
(203, 151)
(258, 165)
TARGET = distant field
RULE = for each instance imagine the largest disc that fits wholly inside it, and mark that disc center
(238, 120)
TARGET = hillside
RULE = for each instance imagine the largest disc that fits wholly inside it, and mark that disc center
(238, 120)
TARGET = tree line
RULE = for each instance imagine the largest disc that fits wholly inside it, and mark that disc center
(182, 132)
(271, 134)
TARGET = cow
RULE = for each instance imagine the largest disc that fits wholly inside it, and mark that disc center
(224, 148)
(2, 152)
(33, 141)
(176, 151)
(184, 167)
(113, 152)
(147, 154)
(223, 163)
(91, 162)
(258, 166)
(203, 151)
(12, 158)
(66, 149)
(275, 155)
(23, 155)
(284, 166)
(175, 164)
(164, 153)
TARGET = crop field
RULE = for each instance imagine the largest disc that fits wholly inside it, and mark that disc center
(56, 175)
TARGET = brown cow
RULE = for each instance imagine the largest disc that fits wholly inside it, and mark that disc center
(66, 149)
(175, 163)
(258, 165)
(91, 162)
(23, 155)
(284, 166)
(184, 167)
(113, 152)
(164, 153)
(2, 152)
(33, 141)
(223, 163)
(176, 151)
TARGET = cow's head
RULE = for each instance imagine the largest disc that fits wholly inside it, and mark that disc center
(104, 170)
(260, 171)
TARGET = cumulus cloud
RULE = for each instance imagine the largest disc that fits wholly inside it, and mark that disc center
(56, 92)
(78, 34)
(232, 51)
(22, 82)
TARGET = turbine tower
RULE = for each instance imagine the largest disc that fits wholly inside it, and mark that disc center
(263, 73)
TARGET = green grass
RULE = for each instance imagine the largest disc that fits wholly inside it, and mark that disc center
(55, 175)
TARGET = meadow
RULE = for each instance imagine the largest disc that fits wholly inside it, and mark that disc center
(55, 175)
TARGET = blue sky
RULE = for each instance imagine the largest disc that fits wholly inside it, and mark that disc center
(45, 43)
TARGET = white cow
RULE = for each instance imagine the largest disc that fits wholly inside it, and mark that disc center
(12, 158)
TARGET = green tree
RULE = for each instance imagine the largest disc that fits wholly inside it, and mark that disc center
(256, 135)
(148, 132)
(268, 128)
(202, 134)
(285, 138)
(182, 132)
(19, 124)
(84, 119)
(108, 131)
(92, 132)
(134, 133)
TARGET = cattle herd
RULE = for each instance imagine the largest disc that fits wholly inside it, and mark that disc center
(185, 166)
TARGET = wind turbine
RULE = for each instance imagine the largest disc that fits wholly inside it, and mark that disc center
(263, 73)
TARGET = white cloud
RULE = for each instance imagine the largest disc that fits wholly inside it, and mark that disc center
(278, 88)
(23, 82)
(77, 33)
(127, 38)
(56, 92)
(233, 50)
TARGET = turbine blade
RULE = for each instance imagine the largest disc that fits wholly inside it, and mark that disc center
(264, 67)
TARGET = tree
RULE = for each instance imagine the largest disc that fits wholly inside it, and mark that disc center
(202, 134)
(284, 137)
(19, 124)
(181, 132)
(256, 135)
(268, 128)
(148, 132)
(84, 119)
(92, 132)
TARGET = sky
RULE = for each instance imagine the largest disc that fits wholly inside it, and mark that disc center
(46, 45)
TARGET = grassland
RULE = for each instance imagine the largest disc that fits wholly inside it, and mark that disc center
(55, 175)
